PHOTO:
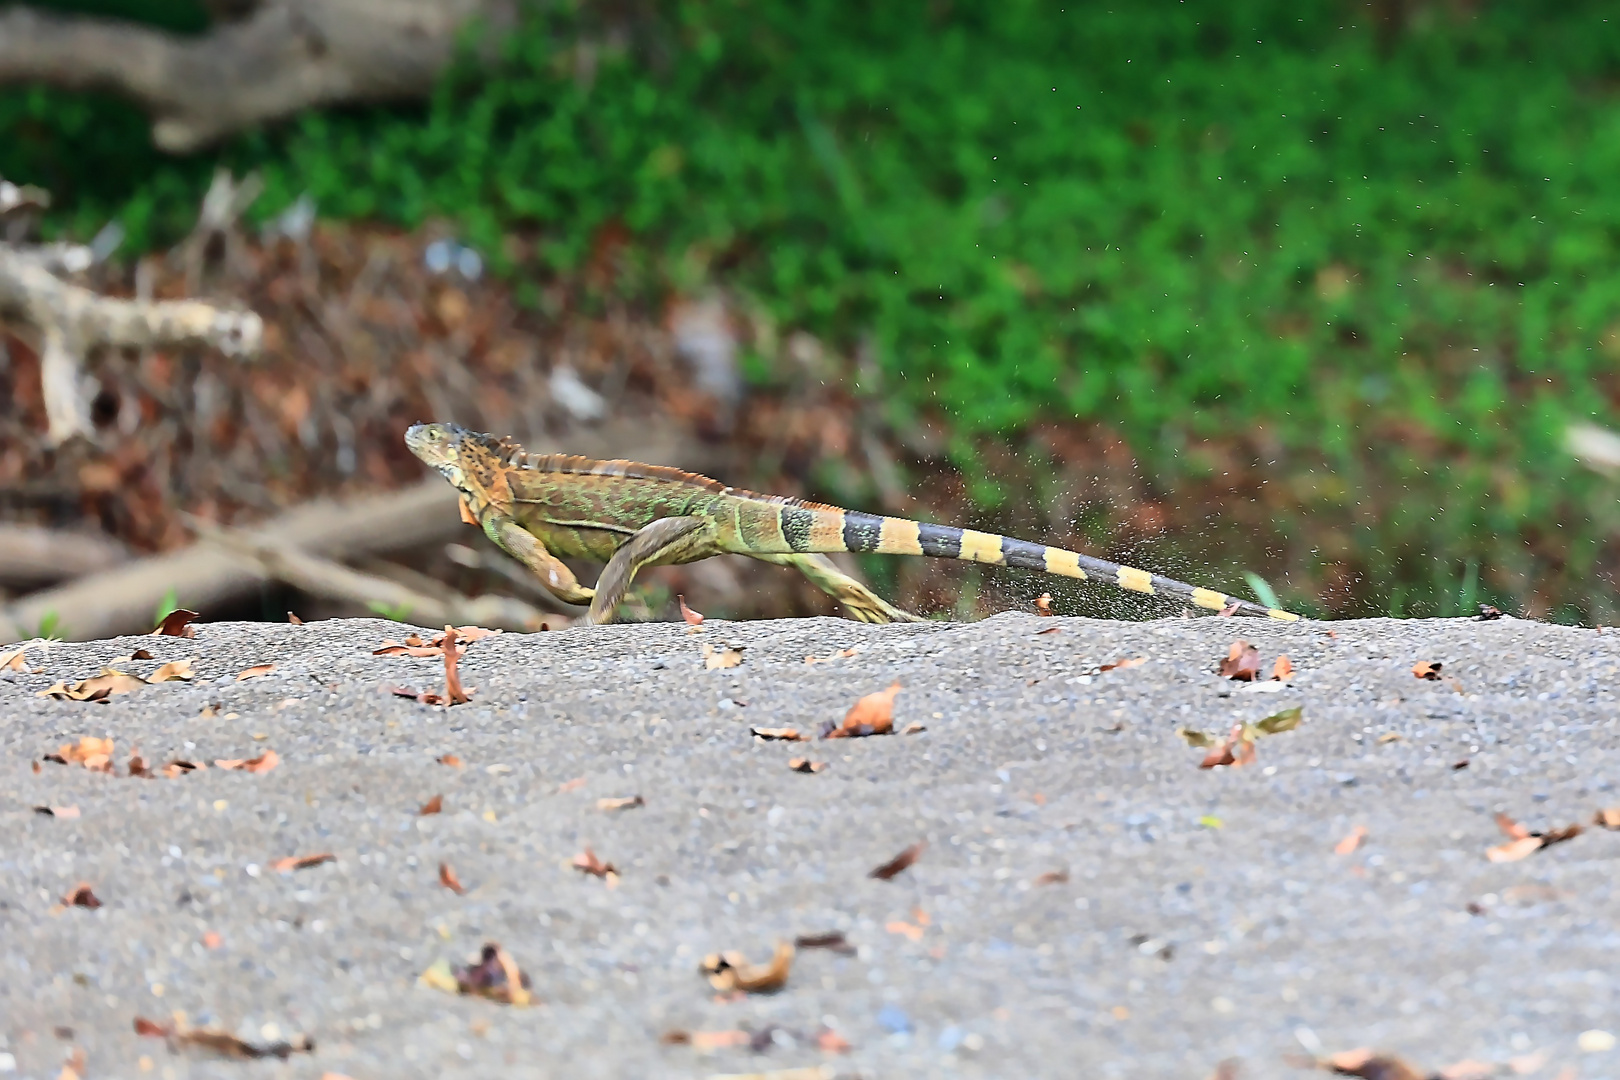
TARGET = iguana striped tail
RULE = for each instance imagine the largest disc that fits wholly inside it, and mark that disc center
(814, 528)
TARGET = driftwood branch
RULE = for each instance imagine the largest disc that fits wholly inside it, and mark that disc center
(283, 56)
(204, 576)
(31, 555)
(71, 320)
(334, 581)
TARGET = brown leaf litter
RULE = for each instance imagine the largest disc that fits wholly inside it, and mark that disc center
(1352, 840)
(625, 802)
(112, 682)
(728, 656)
(81, 896)
(1523, 843)
(66, 813)
(181, 1037)
(495, 975)
(1043, 604)
(261, 764)
(586, 862)
(1427, 669)
(1237, 748)
(446, 645)
(257, 671)
(1242, 662)
(730, 971)
(301, 862)
(900, 862)
(871, 715)
(692, 618)
(177, 623)
(432, 806)
(448, 878)
(832, 941)
(805, 765)
(783, 734)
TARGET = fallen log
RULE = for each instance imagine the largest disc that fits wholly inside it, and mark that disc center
(31, 555)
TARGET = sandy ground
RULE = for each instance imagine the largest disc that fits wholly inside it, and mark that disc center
(1089, 902)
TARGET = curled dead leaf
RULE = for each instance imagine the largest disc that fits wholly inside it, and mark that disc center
(1522, 842)
(495, 976)
(1053, 877)
(301, 862)
(586, 862)
(66, 813)
(90, 751)
(261, 764)
(730, 971)
(1043, 604)
(900, 862)
(177, 623)
(448, 878)
(805, 765)
(693, 618)
(871, 715)
(1427, 669)
(625, 802)
(832, 941)
(1120, 665)
(99, 688)
(257, 671)
(783, 734)
(219, 1042)
(81, 896)
(1351, 841)
(1283, 669)
(14, 660)
(173, 671)
(841, 654)
(1242, 662)
(432, 806)
(449, 759)
(1608, 817)
(716, 659)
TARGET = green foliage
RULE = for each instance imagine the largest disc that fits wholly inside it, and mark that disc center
(400, 612)
(1400, 271)
(170, 602)
(50, 627)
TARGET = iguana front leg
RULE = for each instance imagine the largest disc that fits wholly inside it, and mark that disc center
(525, 547)
(665, 540)
(857, 599)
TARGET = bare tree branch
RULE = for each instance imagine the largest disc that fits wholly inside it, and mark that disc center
(281, 56)
(72, 320)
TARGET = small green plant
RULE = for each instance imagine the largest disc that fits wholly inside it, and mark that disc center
(50, 627)
(1263, 591)
(400, 612)
(170, 602)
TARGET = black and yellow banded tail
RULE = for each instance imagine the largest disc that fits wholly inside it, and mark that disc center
(812, 528)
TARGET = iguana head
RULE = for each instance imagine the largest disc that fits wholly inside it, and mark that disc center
(441, 446)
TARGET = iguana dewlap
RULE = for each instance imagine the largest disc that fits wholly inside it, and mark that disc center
(541, 508)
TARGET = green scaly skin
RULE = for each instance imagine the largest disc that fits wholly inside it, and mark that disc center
(543, 508)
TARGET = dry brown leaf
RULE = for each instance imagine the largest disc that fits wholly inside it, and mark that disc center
(255, 672)
(900, 861)
(138, 654)
(81, 896)
(454, 692)
(1119, 665)
(1427, 669)
(716, 659)
(1229, 610)
(805, 765)
(173, 671)
(93, 753)
(1050, 630)
(841, 654)
(449, 759)
(1053, 877)
(622, 803)
(1608, 817)
(294, 619)
(495, 976)
(570, 785)
(390, 647)
(731, 971)
(66, 813)
(301, 862)
(177, 623)
(871, 715)
(782, 734)
(693, 618)
(1242, 662)
(1283, 669)
(182, 768)
(15, 660)
(1043, 604)
(99, 688)
(587, 862)
(261, 764)
(220, 1042)
(1351, 841)
(447, 878)
(829, 1041)
(706, 1040)
(1368, 1065)
(832, 941)
(1523, 843)
(1389, 737)
(432, 806)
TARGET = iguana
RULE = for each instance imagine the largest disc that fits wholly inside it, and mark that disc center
(541, 508)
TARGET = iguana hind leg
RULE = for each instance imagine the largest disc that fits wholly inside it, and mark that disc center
(525, 547)
(861, 602)
(665, 540)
